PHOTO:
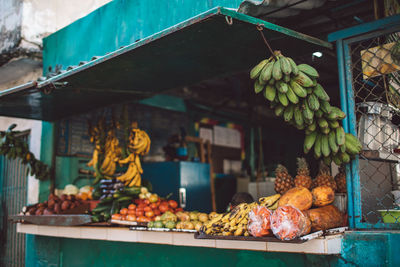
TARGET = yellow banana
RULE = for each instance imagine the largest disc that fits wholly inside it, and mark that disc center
(138, 164)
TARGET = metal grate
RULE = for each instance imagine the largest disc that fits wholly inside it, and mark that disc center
(13, 196)
(375, 81)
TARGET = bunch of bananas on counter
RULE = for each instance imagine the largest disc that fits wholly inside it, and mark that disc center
(13, 146)
(235, 222)
(139, 145)
(295, 94)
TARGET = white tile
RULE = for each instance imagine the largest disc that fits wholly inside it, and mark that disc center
(99, 233)
(233, 244)
(121, 234)
(315, 246)
(154, 237)
(47, 230)
(71, 232)
(187, 239)
(27, 228)
(334, 245)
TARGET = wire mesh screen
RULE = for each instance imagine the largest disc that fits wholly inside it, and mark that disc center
(13, 181)
(375, 65)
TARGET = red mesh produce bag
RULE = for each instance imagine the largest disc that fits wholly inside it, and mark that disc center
(259, 221)
(288, 223)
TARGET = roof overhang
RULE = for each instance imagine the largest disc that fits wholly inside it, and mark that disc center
(216, 43)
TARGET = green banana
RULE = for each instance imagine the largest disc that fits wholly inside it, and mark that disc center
(333, 124)
(276, 70)
(303, 79)
(255, 72)
(350, 147)
(354, 140)
(285, 65)
(291, 95)
(325, 130)
(317, 146)
(319, 113)
(344, 157)
(322, 123)
(286, 78)
(313, 85)
(340, 114)
(340, 136)
(336, 158)
(288, 113)
(266, 72)
(307, 112)
(295, 69)
(333, 116)
(298, 89)
(312, 127)
(307, 69)
(325, 145)
(283, 99)
(320, 93)
(258, 87)
(327, 160)
(279, 110)
(298, 117)
(313, 102)
(325, 106)
(332, 142)
(282, 87)
(271, 81)
(270, 92)
(309, 141)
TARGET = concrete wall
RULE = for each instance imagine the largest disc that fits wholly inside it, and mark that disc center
(10, 24)
(23, 24)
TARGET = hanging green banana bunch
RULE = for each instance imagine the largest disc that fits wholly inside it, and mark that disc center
(296, 95)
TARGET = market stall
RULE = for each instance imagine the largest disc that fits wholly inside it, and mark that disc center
(103, 147)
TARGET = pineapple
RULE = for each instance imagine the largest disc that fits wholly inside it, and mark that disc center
(340, 180)
(325, 178)
(303, 174)
(283, 181)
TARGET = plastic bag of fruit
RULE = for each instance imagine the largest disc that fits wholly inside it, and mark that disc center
(288, 223)
(259, 221)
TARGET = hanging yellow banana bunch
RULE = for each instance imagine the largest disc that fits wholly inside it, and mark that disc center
(139, 145)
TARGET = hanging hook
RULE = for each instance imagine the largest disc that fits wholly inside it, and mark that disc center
(229, 20)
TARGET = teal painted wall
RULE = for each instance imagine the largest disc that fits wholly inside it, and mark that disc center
(359, 249)
(77, 252)
(119, 23)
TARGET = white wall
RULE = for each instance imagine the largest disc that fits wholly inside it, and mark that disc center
(34, 146)
(43, 17)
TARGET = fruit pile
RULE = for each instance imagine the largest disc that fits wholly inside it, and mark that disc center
(296, 95)
(65, 204)
(113, 199)
(14, 147)
(236, 222)
(146, 209)
(284, 181)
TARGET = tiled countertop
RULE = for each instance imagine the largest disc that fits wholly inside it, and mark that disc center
(324, 245)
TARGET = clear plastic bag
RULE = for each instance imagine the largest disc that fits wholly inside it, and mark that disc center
(288, 223)
(259, 221)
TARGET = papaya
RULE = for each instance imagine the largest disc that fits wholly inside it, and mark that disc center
(322, 195)
(298, 197)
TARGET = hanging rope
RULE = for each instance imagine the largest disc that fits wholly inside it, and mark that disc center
(260, 28)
